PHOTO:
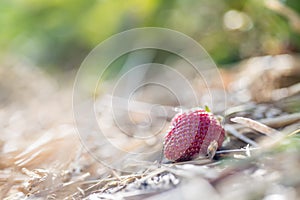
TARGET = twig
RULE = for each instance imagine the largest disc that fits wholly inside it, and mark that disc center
(281, 121)
(294, 132)
(230, 129)
(239, 108)
(282, 93)
(236, 150)
(255, 125)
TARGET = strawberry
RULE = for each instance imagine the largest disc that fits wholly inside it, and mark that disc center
(191, 134)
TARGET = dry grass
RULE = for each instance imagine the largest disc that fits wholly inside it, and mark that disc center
(42, 156)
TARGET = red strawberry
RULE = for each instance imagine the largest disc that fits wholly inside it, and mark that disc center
(190, 134)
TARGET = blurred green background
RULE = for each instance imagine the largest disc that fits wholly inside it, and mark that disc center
(58, 34)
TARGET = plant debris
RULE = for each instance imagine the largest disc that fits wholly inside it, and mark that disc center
(42, 156)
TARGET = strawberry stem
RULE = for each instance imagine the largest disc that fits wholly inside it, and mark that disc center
(206, 108)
